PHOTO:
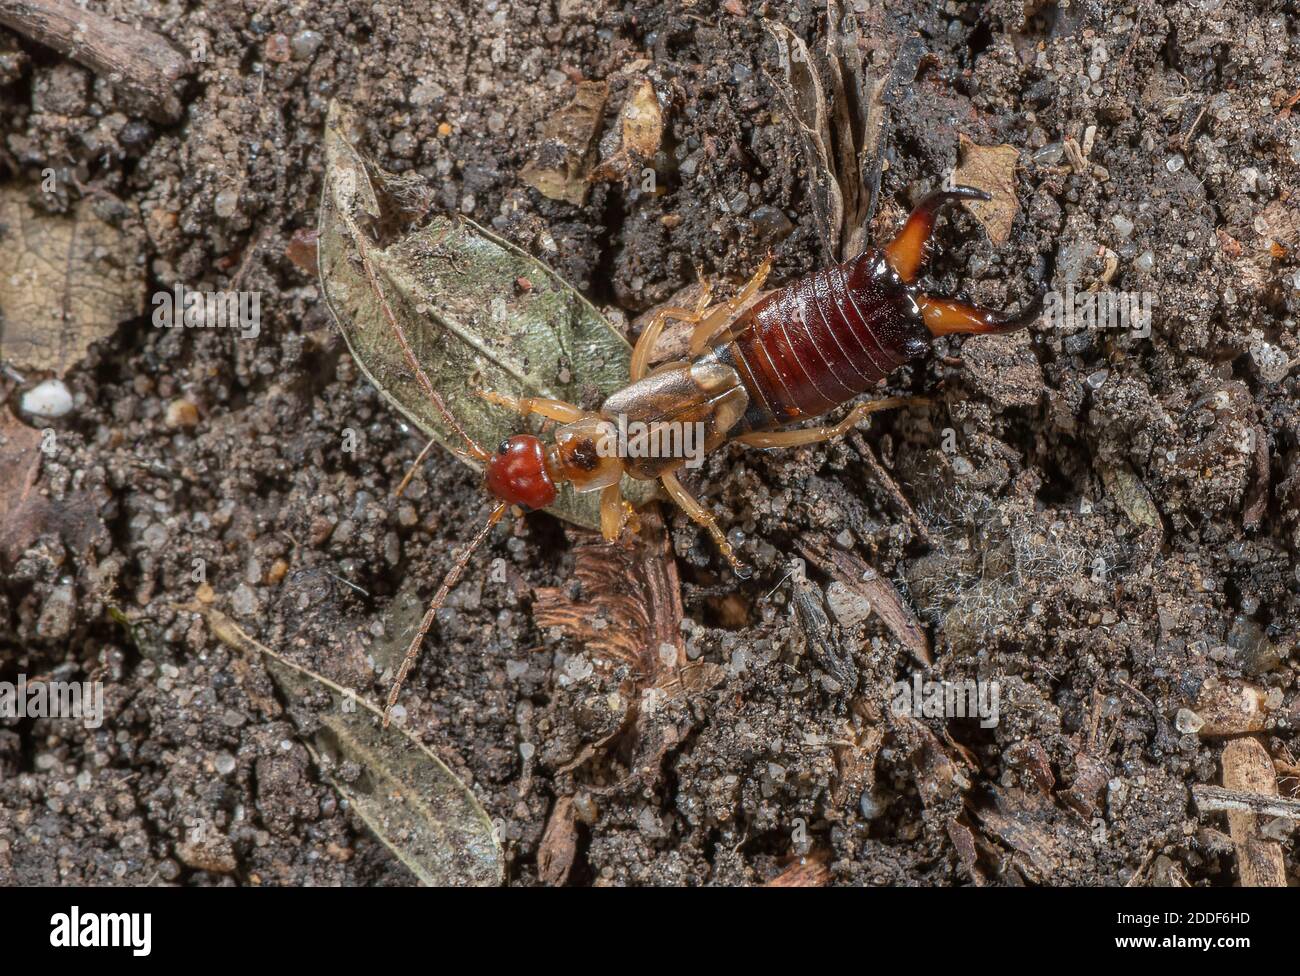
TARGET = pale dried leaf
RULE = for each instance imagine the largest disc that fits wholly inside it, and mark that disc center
(563, 160)
(993, 170)
(406, 795)
(22, 507)
(456, 290)
(643, 121)
(65, 281)
(1247, 768)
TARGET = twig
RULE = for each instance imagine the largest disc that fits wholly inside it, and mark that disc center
(142, 64)
(1217, 799)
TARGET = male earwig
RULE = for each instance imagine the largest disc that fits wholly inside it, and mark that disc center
(797, 353)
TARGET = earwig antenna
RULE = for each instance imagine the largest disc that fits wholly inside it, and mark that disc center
(452, 578)
(410, 472)
(411, 361)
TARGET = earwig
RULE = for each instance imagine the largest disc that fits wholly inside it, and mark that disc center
(795, 354)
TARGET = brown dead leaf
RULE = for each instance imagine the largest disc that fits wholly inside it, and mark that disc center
(22, 508)
(630, 604)
(1279, 222)
(993, 170)
(560, 166)
(559, 843)
(806, 872)
(65, 281)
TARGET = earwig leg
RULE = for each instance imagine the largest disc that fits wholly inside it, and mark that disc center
(645, 343)
(557, 410)
(815, 435)
(687, 503)
(615, 513)
(906, 253)
(410, 472)
(715, 318)
(945, 316)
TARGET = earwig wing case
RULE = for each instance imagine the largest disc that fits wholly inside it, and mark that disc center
(478, 312)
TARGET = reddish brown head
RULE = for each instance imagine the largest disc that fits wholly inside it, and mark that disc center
(517, 473)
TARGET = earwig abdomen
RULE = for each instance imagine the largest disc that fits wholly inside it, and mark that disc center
(806, 348)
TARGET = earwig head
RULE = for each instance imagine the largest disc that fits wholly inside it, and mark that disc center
(518, 473)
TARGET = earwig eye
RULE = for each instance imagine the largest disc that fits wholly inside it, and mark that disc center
(505, 447)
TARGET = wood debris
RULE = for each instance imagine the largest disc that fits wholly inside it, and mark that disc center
(1247, 768)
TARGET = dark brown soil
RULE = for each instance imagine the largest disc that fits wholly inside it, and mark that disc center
(1174, 458)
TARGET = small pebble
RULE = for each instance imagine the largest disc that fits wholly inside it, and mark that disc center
(1188, 722)
(226, 204)
(1175, 162)
(1050, 155)
(1145, 262)
(1271, 363)
(182, 413)
(276, 48)
(1123, 226)
(849, 607)
(305, 44)
(49, 399)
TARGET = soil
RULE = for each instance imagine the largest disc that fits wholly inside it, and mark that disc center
(1109, 522)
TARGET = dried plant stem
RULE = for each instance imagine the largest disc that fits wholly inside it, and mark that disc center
(141, 63)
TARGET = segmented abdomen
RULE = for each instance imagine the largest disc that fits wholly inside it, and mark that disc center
(821, 341)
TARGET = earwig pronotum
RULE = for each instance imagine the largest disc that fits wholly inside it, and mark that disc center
(796, 353)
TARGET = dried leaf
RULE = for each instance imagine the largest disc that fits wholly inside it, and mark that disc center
(405, 794)
(560, 167)
(631, 604)
(643, 121)
(843, 134)
(453, 287)
(806, 872)
(22, 508)
(993, 170)
(641, 124)
(65, 282)
(559, 845)
(805, 100)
